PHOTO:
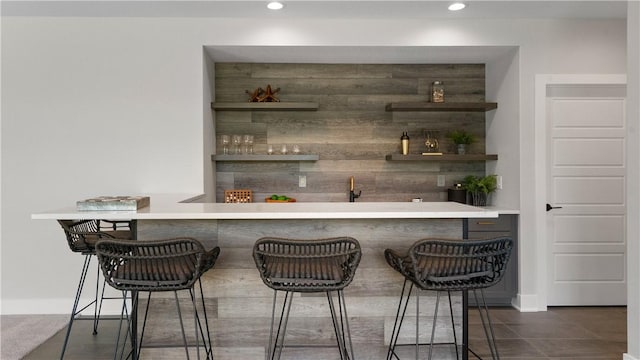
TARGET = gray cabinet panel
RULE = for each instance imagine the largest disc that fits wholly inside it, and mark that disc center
(502, 223)
(506, 225)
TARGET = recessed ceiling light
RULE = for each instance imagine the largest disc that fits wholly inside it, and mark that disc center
(457, 6)
(275, 5)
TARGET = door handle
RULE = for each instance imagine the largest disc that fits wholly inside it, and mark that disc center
(549, 207)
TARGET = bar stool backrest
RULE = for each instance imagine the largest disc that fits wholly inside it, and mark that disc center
(459, 264)
(78, 232)
(307, 265)
(155, 265)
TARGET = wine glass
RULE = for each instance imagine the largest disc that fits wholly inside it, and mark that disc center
(296, 149)
(270, 149)
(283, 149)
(225, 144)
(237, 140)
(245, 140)
(250, 144)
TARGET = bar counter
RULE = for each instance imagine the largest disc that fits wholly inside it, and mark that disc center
(174, 207)
(239, 304)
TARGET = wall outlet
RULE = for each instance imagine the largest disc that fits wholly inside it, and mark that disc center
(499, 182)
(441, 180)
(302, 181)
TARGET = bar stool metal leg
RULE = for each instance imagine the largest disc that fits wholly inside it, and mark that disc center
(277, 344)
(400, 317)
(96, 312)
(195, 325)
(418, 324)
(124, 315)
(453, 326)
(184, 336)
(433, 325)
(96, 315)
(76, 301)
(339, 320)
(286, 322)
(336, 326)
(138, 344)
(342, 334)
(435, 319)
(395, 333)
(487, 326)
(343, 309)
(273, 317)
(206, 342)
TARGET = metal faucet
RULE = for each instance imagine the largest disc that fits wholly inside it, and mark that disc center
(352, 194)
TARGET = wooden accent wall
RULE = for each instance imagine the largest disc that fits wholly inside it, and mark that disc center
(239, 304)
(351, 131)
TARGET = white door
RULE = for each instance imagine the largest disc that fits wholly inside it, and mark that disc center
(586, 181)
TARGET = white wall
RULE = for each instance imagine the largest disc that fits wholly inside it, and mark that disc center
(115, 106)
(208, 129)
(633, 181)
(502, 131)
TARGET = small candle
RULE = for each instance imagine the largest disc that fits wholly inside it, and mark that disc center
(351, 182)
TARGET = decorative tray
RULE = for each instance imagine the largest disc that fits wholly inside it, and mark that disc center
(270, 200)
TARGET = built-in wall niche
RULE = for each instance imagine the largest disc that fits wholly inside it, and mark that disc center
(349, 128)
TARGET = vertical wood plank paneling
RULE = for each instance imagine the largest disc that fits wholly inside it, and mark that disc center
(350, 125)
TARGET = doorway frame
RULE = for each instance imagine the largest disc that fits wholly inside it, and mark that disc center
(542, 82)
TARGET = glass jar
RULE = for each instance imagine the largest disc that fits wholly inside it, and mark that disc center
(437, 92)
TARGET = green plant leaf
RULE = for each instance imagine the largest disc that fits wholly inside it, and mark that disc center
(461, 137)
(486, 184)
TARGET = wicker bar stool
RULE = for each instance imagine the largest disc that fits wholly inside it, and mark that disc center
(82, 236)
(449, 265)
(308, 266)
(154, 266)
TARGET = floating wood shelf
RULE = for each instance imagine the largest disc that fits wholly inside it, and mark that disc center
(446, 106)
(273, 106)
(307, 157)
(444, 157)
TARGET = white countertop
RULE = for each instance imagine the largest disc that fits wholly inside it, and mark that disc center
(503, 210)
(169, 207)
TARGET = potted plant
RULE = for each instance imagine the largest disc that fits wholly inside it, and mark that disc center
(461, 138)
(480, 187)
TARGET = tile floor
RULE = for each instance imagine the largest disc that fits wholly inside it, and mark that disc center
(584, 333)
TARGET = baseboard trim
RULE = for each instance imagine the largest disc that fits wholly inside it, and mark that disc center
(55, 306)
(628, 357)
(527, 303)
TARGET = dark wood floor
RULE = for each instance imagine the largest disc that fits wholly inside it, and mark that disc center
(584, 333)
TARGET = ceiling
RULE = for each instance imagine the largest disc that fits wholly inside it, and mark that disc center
(345, 9)
(358, 9)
